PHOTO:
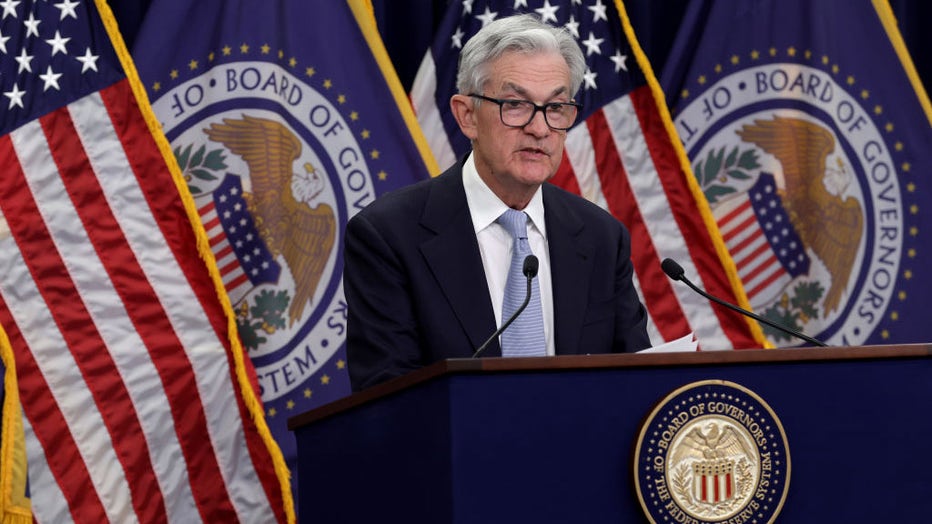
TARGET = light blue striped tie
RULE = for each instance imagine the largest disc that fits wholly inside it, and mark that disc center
(525, 336)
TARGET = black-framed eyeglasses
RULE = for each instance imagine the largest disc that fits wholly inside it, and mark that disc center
(519, 113)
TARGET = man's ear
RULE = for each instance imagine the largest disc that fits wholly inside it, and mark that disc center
(464, 110)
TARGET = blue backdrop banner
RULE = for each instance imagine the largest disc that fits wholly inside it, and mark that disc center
(814, 109)
(287, 119)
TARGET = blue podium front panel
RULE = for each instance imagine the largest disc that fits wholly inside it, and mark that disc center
(557, 445)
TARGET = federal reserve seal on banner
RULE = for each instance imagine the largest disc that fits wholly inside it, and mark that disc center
(798, 164)
(712, 451)
(276, 168)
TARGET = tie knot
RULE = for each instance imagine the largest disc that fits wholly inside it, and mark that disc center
(515, 222)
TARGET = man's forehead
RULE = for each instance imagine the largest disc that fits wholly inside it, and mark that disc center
(524, 73)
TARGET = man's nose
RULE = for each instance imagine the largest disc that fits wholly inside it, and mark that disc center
(538, 125)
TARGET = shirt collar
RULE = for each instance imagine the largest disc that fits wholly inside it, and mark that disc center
(485, 206)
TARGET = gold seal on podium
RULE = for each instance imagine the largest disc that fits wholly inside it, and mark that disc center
(712, 451)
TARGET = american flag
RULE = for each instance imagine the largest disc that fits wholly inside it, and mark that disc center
(767, 251)
(622, 155)
(137, 401)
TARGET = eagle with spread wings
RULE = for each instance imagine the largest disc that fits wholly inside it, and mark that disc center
(289, 226)
(716, 442)
(827, 223)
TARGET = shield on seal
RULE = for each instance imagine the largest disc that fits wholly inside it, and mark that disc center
(767, 250)
(714, 480)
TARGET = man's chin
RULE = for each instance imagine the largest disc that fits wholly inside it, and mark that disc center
(537, 176)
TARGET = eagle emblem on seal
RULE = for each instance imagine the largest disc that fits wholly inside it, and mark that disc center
(830, 224)
(281, 200)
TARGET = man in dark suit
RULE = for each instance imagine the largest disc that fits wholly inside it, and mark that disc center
(426, 266)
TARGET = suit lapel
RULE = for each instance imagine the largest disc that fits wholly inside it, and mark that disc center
(570, 263)
(453, 258)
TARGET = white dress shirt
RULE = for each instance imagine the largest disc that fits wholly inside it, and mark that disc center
(496, 244)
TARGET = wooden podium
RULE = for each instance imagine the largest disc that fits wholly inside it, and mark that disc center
(553, 439)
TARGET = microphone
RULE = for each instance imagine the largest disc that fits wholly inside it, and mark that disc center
(676, 272)
(530, 267)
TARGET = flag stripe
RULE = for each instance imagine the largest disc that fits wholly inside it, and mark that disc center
(235, 280)
(725, 222)
(650, 197)
(46, 383)
(57, 442)
(725, 329)
(423, 99)
(76, 323)
(762, 269)
(757, 247)
(581, 155)
(104, 234)
(150, 320)
(136, 408)
(766, 280)
(744, 239)
(615, 182)
(578, 169)
(215, 378)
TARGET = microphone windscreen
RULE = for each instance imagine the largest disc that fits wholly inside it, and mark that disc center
(531, 264)
(672, 269)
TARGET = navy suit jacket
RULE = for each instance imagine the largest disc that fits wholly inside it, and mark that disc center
(417, 293)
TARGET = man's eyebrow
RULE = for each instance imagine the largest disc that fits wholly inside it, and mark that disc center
(523, 92)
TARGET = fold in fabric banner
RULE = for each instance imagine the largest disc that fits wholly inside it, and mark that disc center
(808, 130)
(14, 491)
(623, 155)
(137, 401)
(287, 119)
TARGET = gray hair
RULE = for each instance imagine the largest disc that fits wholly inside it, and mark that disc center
(524, 33)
